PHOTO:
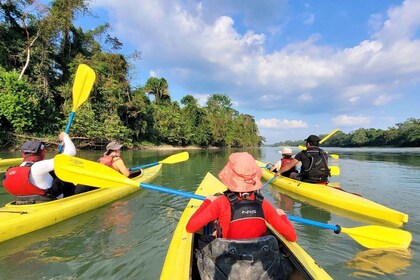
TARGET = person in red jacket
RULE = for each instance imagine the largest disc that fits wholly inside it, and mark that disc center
(241, 211)
(286, 159)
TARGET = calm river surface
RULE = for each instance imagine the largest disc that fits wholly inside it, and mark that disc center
(128, 239)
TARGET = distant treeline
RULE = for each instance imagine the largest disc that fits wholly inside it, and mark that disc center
(406, 134)
(40, 49)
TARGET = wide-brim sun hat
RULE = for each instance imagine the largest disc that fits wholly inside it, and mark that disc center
(113, 146)
(241, 173)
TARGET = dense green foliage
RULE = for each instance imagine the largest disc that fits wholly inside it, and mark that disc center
(406, 134)
(40, 49)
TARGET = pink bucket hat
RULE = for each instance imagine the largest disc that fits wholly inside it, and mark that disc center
(241, 173)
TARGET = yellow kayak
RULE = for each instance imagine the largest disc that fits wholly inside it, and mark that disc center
(180, 263)
(17, 220)
(337, 200)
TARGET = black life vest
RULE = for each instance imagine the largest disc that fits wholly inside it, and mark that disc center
(245, 209)
(318, 170)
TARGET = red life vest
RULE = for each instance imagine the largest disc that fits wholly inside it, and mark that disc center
(246, 214)
(108, 161)
(285, 162)
(16, 181)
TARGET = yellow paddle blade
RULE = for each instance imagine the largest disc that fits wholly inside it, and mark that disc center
(86, 172)
(379, 237)
(176, 158)
(334, 156)
(334, 170)
(83, 82)
(10, 162)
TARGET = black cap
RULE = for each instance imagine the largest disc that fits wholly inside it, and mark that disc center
(313, 140)
(32, 147)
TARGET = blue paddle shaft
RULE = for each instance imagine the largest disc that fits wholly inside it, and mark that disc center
(171, 191)
(147, 186)
(269, 181)
(143, 166)
(60, 148)
(335, 228)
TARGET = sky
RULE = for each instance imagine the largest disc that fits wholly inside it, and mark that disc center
(299, 67)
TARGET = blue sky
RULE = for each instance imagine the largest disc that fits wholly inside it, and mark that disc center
(299, 67)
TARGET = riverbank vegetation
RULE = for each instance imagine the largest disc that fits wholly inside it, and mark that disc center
(406, 134)
(40, 49)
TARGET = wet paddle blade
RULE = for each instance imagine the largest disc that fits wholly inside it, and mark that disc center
(86, 172)
(83, 82)
(379, 237)
(176, 158)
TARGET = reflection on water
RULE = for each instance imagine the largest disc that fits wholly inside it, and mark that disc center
(128, 239)
(375, 262)
(402, 156)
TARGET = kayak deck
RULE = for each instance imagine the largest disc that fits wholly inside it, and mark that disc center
(17, 220)
(180, 262)
(338, 199)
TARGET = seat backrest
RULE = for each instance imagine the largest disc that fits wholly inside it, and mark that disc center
(257, 258)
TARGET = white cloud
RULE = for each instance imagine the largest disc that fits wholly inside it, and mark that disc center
(282, 124)
(203, 49)
(153, 74)
(356, 121)
(384, 99)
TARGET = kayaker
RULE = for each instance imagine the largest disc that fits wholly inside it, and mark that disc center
(35, 175)
(112, 158)
(241, 211)
(286, 159)
(314, 161)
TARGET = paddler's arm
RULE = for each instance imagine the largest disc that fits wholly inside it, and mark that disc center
(206, 213)
(120, 165)
(287, 167)
(278, 219)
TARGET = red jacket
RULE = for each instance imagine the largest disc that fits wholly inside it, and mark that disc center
(249, 228)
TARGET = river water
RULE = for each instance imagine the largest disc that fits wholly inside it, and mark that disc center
(128, 239)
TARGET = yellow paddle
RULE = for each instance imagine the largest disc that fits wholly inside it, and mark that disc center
(183, 156)
(83, 82)
(334, 170)
(5, 163)
(323, 139)
(85, 172)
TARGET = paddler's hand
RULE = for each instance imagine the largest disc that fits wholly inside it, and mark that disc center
(211, 198)
(62, 135)
(280, 212)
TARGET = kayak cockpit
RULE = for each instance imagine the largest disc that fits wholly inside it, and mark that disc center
(257, 258)
(31, 199)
